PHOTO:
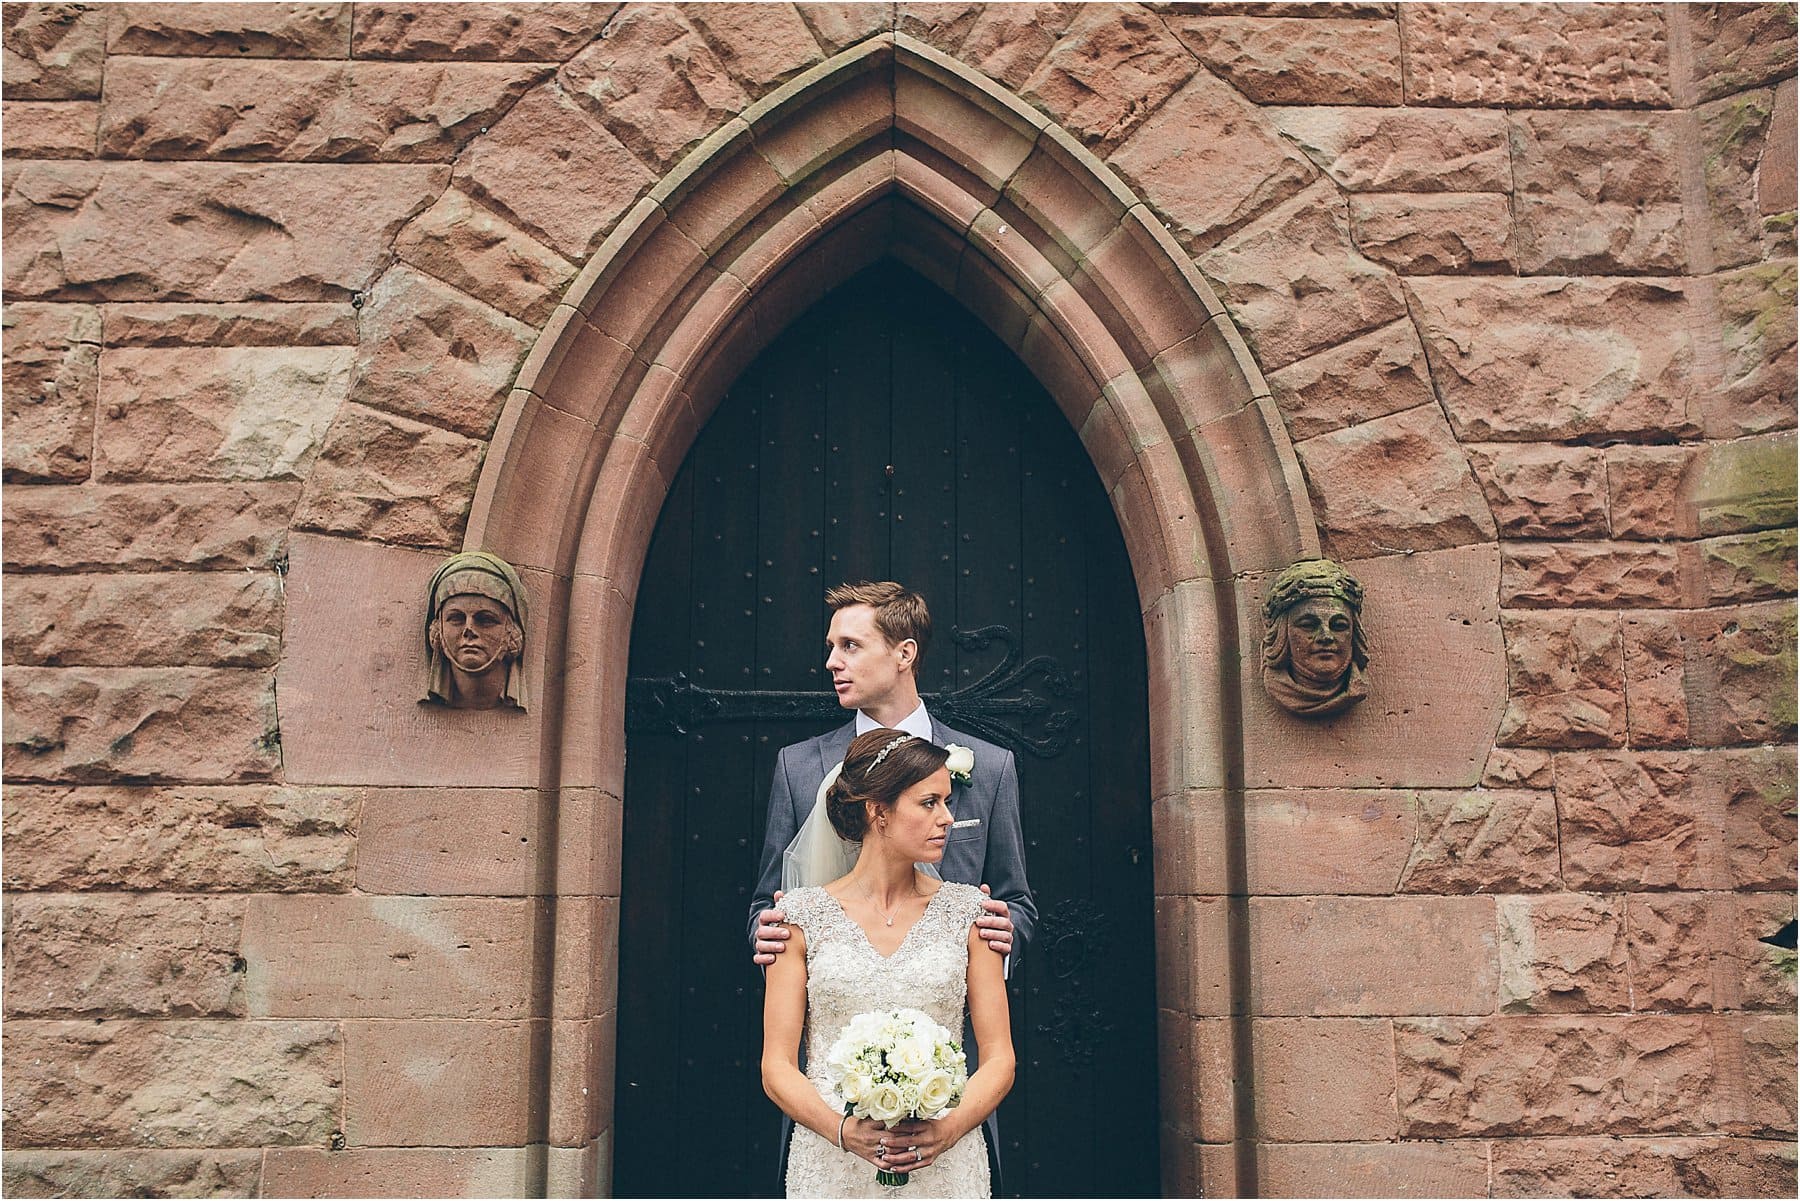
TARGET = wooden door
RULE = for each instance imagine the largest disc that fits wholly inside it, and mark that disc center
(886, 434)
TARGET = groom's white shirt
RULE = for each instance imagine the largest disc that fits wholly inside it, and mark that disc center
(917, 723)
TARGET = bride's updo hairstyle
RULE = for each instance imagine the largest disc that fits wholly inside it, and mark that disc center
(877, 770)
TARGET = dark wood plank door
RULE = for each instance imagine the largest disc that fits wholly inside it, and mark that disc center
(886, 434)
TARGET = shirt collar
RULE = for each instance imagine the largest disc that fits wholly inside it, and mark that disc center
(917, 723)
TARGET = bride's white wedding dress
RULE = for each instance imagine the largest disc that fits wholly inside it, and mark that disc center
(846, 976)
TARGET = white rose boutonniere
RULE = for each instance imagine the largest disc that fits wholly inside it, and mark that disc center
(961, 763)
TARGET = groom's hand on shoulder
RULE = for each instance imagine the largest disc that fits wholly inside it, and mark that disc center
(995, 923)
(772, 933)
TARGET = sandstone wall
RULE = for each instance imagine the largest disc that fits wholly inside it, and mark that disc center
(1522, 283)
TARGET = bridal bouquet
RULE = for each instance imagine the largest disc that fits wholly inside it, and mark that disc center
(895, 1065)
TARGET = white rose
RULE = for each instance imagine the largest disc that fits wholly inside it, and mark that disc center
(884, 1102)
(961, 761)
(854, 1087)
(910, 1057)
(936, 1094)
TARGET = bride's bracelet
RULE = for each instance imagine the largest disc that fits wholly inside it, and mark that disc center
(841, 1122)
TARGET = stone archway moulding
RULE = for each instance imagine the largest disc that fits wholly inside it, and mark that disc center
(889, 148)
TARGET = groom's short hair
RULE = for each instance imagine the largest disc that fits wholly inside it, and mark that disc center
(900, 613)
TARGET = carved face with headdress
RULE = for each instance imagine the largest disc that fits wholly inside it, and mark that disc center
(475, 634)
(1314, 647)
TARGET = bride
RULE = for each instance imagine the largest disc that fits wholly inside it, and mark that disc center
(883, 936)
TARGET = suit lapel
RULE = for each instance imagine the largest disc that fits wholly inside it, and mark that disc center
(832, 746)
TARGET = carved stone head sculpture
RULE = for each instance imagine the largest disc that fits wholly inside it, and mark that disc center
(1314, 649)
(475, 634)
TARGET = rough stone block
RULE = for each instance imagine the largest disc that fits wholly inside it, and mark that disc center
(1739, 46)
(524, 32)
(1763, 1103)
(1600, 575)
(53, 51)
(1645, 485)
(229, 324)
(449, 842)
(1713, 677)
(1110, 69)
(389, 957)
(73, 955)
(1563, 953)
(1296, 283)
(49, 128)
(837, 26)
(1355, 956)
(1745, 484)
(1403, 150)
(1642, 1167)
(52, 381)
(98, 724)
(1489, 840)
(1703, 951)
(171, 1083)
(1598, 193)
(1006, 42)
(1424, 233)
(1542, 491)
(1757, 316)
(216, 413)
(400, 1172)
(1522, 56)
(1733, 137)
(760, 44)
(437, 1084)
(1277, 60)
(1457, 1168)
(206, 526)
(232, 30)
(1512, 767)
(209, 619)
(135, 1173)
(433, 354)
(476, 251)
(1548, 360)
(1566, 680)
(1322, 1080)
(1508, 1076)
(303, 112)
(1398, 483)
(1745, 567)
(559, 175)
(392, 480)
(1368, 377)
(255, 838)
(206, 231)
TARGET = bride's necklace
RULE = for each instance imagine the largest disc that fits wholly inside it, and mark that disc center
(888, 917)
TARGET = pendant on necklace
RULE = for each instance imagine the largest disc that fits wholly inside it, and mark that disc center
(890, 921)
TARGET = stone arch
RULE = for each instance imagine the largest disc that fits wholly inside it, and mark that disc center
(890, 147)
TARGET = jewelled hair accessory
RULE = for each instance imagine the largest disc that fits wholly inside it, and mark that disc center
(890, 746)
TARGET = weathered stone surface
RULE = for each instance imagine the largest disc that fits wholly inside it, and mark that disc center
(1295, 282)
(654, 83)
(1299, 842)
(1645, 486)
(1738, 46)
(53, 51)
(1008, 41)
(234, 30)
(1777, 188)
(1714, 820)
(1598, 193)
(148, 526)
(303, 112)
(1358, 956)
(391, 957)
(760, 44)
(1109, 70)
(1397, 483)
(1379, 373)
(1403, 150)
(1525, 56)
(207, 619)
(70, 955)
(1489, 840)
(1542, 491)
(1746, 567)
(1757, 312)
(1742, 485)
(1513, 767)
(254, 838)
(391, 480)
(524, 32)
(1519, 360)
(1434, 233)
(1642, 1167)
(52, 380)
(135, 1173)
(229, 325)
(1324, 1079)
(1463, 1076)
(447, 842)
(433, 354)
(1733, 135)
(1761, 1099)
(96, 724)
(1711, 677)
(226, 413)
(1563, 953)
(1294, 61)
(1599, 575)
(1656, 679)
(49, 128)
(1566, 680)
(404, 1171)
(476, 251)
(1206, 187)
(437, 1084)
(837, 26)
(171, 1083)
(554, 171)
(206, 231)
(1414, 1169)
(1702, 951)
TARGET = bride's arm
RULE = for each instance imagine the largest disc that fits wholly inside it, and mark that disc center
(988, 1014)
